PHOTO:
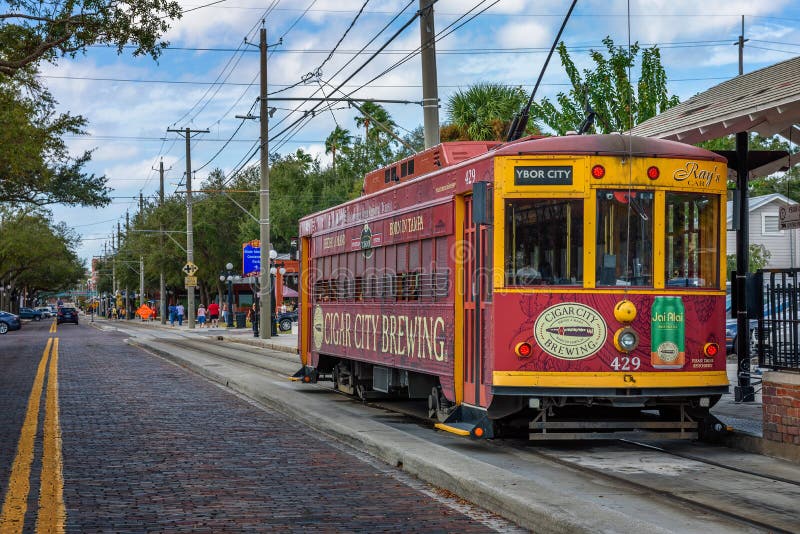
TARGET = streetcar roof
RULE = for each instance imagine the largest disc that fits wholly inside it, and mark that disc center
(608, 145)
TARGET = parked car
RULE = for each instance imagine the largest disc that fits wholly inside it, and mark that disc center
(285, 320)
(67, 314)
(46, 312)
(9, 321)
(731, 327)
(30, 313)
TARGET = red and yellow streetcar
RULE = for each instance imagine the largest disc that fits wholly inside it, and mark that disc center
(572, 286)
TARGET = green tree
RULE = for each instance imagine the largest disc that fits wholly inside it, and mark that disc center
(372, 113)
(338, 140)
(37, 255)
(759, 258)
(35, 30)
(483, 112)
(609, 91)
(35, 164)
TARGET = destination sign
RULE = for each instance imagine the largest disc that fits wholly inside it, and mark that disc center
(542, 175)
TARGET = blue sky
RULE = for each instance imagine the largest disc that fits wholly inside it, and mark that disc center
(131, 102)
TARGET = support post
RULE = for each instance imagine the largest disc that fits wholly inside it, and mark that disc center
(162, 290)
(430, 90)
(189, 229)
(265, 318)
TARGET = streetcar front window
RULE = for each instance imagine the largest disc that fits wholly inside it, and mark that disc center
(692, 240)
(624, 238)
(544, 242)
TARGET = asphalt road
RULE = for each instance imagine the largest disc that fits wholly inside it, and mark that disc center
(148, 446)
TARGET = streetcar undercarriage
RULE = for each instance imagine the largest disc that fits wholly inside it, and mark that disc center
(668, 413)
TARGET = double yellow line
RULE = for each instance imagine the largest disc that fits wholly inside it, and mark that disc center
(52, 514)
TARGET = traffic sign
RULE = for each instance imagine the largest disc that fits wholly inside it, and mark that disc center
(789, 217)
(190, 281)
(190, 268)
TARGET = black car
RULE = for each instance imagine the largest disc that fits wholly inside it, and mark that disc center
(285, 320)
(9, 321)
(67, 314)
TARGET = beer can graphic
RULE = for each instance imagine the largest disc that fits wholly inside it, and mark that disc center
(667, 333)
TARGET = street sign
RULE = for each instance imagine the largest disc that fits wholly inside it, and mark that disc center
(190, 268)
(190, 281)
(251, 258)
(789, 217)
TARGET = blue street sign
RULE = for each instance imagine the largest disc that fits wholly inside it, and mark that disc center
(251, 258)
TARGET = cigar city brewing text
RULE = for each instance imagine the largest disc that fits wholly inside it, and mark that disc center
(400, 335)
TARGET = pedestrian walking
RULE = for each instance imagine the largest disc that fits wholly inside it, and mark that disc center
(173, 313)
(201, 315)
(225, 313)
(180, 311)
(213, 314)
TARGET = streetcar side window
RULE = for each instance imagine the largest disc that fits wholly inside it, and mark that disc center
(544, 242)
(691, 247)
(624, 238)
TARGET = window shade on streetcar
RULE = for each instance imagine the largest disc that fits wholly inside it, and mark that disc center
(624, 238)
(691, 245)
(543, 242)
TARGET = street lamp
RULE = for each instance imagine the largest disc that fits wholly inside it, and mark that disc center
(274, 269)
(229, 276)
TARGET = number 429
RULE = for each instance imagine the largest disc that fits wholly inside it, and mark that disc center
(624, 363)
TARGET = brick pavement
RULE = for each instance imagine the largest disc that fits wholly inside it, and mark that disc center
(150, 447)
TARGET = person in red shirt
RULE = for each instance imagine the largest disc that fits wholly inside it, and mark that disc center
(213, 314)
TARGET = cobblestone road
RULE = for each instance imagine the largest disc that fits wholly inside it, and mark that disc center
(148, 446)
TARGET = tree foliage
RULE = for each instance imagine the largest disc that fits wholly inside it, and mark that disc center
(35, 30)
(35, 164)
(36, 254)
(483, 112)
(608, 89)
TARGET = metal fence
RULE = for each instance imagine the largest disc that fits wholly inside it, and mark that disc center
(776, 298)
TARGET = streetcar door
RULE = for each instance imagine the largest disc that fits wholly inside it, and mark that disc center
(474, 294)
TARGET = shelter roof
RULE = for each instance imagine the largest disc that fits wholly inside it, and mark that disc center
(766, 101)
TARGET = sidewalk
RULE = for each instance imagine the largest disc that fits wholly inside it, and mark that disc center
(284, 341)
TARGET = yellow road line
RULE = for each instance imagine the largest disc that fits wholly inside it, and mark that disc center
(53, 327)
(15, 505)
(52, 514)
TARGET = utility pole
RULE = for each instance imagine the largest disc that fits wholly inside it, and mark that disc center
(430, 90)
(265, 279)
(187, 133)
(141, 205)
(141, 280)
(162, 306)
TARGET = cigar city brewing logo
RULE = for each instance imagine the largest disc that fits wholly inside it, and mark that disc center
(319, 327)
(570, 331)
(366, 241)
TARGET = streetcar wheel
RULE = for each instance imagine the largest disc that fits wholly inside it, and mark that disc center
(433, 403)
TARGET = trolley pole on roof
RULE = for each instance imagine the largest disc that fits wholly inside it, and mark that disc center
(430, 89)
(265, 315)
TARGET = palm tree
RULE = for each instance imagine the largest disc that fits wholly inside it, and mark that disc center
(483, 112)
(336, 141)
(371, 113)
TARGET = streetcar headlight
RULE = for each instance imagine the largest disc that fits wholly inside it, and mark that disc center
(626, 339)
